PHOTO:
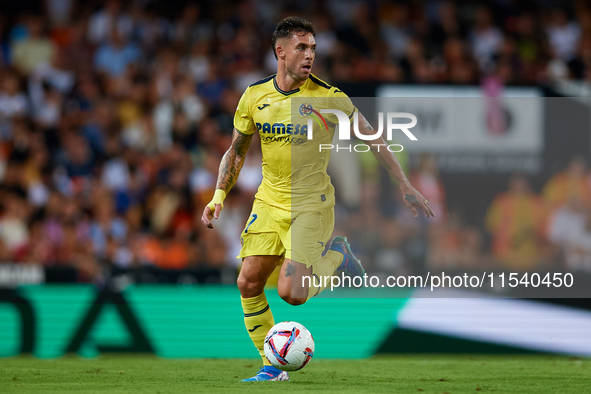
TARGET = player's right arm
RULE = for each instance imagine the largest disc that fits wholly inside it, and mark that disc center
(412, 197)
(233, 159)
(230, 167)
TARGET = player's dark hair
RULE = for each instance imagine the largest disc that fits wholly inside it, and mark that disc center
(290, 26)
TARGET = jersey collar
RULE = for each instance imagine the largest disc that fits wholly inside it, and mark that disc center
(283, 92)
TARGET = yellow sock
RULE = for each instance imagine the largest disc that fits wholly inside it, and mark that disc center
(324, 268)
(258, 320)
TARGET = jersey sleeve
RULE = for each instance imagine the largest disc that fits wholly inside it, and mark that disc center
(243, 121)
(343, 102)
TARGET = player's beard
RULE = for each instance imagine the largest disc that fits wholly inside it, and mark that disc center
(297, 73)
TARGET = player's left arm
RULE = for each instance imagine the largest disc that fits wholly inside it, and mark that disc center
(412, 197)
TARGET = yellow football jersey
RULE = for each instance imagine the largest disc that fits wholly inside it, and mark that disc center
(294, 168)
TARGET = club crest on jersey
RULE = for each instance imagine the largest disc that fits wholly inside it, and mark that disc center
(308, 110)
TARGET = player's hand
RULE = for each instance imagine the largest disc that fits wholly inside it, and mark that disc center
(208, 215)
(213, 209)
(414, 199)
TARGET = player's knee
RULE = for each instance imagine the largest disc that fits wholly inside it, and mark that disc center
(286, 295)
(249, 288)
(294, 301)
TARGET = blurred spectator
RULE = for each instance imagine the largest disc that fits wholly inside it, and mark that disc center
(578, 246)
(59, 11)
(247, 74)
(35, 49)
(515, 221)
(13, 103)
(326, 38)
(108, 20)
(116, 172)
(48, 85)
(114, 56)
(14, 232)
(445, 26)
(77, 52)
(106, 224)
(78, 160)
(140, 134)
(197, 62)
(176, 118)
(36, 172)
(190, 28)
(395, 27)
(566, 221)
(563, 35)
(486, 39)
(568, 184)
(582, 62)
(150, 28)
(212, 88)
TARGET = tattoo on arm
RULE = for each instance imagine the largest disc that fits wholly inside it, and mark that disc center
(233, 161)
(412, 199)
(289, 270)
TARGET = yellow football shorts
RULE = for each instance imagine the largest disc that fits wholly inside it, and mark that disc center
(299, 236)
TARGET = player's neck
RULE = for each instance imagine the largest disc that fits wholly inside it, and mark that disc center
(285, 82)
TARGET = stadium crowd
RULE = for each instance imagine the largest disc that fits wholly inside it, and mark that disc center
(114, 116)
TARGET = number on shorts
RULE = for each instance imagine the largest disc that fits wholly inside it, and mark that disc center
(254, 217)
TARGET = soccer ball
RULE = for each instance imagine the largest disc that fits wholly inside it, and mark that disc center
(289, 346)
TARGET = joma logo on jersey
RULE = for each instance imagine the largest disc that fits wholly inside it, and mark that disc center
(280, 128)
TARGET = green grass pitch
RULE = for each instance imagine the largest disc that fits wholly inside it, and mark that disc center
(403, 373)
